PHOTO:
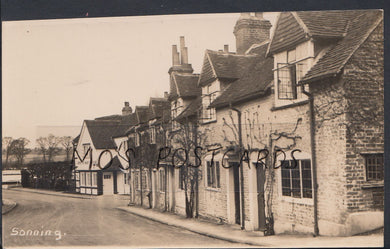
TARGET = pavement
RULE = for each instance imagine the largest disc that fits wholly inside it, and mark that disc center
(7, 206)
(233, 233)
(54, 221)
(165, 221)
(52, 192)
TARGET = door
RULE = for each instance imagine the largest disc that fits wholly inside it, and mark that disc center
(108, 183)
(236, 176)
(260, 197)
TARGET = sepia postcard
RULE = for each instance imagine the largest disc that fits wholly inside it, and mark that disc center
(254, 129)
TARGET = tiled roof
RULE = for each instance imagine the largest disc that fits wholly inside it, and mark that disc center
(360, 26)
(115, 165)
(288, 32)
(101, 132)
(157, 105)
(76, 139)
(192, 109)
(293, 28)
(222, 65)
(142, 113)
(186, 85)
(110, 117)
(254, 81)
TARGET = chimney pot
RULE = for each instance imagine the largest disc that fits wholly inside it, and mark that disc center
(126, 110)
(175, 56)
(226, 48)
(166, 95)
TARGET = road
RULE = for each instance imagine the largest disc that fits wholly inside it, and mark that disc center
(89, 222)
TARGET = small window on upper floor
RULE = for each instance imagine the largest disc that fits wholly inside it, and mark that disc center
(152, 134)
(289, 75)
(209, 95)
(86, 148)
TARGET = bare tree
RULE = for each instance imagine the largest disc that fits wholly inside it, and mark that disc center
(188, 138)
(262, 136)
(19, 149)
(66, 142)
(7, 142)
(42, 143)
(49, 146)
(52, 146)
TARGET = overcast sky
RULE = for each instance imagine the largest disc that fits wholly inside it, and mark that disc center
(56, 73)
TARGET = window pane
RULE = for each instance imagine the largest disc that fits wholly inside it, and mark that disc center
(286, 81)
(296, 182)
(208, 174)
(374, 167)
(306, 179)
(286, 182)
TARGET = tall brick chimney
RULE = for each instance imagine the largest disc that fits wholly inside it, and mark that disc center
(126, 110)
(249, 30)
(180, 59)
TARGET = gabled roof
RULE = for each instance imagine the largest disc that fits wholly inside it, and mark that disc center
(293, 28)
(115, 165)
(359, 28)
(254, 82)
(222, 65)
(114, 117)
(184, 85)
(157, 105)
(142, 114)
(76, 139)
(101, 132)
(191, 110)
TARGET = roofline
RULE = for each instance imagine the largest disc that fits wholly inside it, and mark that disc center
(301, 23)
(365, 37)
(272, 35)
(243, 99)
(256, 45)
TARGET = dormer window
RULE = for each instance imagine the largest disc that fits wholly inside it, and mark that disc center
(209, 94)
(176, 108)
(289, 75)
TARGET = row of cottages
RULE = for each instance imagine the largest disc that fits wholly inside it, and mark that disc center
(291, 126)
(284, 135)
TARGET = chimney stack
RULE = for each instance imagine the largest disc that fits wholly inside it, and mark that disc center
(226, 48)
(175, 56)
(180, 59)
(126, 110)
(183, 51)
(249, 30)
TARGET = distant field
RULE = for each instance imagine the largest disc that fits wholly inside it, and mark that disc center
(36, 157)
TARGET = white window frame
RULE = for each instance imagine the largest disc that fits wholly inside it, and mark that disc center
(152, 133)
(208, 96)
(94, 179)
(298, 157)
(86, 146)
(214, 169)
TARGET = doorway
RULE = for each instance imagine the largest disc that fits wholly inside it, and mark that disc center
(236, 177)
(260, 174)
(108, 183)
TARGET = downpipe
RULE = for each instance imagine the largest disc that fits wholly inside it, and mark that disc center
(313, 157)
(241, 168)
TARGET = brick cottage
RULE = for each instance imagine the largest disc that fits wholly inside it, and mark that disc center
(291, 128)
